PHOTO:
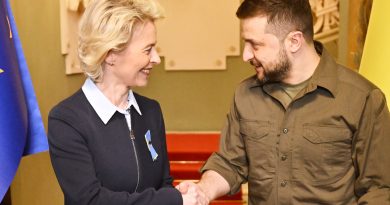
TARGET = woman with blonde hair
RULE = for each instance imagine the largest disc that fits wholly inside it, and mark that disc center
(107, 143)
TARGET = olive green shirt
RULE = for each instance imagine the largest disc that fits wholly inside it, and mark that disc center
(290, 91)
(329, 145)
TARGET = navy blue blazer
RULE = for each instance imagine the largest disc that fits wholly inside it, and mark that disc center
(95, 163)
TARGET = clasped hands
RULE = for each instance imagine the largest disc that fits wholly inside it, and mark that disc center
(192, 193)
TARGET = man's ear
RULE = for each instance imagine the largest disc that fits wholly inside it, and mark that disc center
(294, 41)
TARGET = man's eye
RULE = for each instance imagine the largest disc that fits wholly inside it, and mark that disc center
(257, 46)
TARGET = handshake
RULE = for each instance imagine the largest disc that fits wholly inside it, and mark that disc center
(192, 193)
(211, 186)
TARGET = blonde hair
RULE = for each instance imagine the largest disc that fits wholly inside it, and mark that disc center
(107, 25)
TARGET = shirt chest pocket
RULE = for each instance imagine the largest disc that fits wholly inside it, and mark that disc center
(260, 148)
(256, 130)
(325, 153)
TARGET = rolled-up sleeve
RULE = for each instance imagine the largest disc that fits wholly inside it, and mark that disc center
(230, 161)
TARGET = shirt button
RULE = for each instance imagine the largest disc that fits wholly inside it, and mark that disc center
(283, 183)
(284, 157)
(285, 130)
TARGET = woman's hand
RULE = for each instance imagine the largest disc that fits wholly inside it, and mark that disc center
(192, 194)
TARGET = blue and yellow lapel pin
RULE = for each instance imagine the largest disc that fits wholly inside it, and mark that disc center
(152, 151)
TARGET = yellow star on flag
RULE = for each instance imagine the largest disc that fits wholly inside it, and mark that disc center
(1, 70)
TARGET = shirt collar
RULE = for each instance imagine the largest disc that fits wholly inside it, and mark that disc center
(100, 103)
(325, 75)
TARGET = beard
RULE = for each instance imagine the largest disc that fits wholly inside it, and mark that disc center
(277, 72)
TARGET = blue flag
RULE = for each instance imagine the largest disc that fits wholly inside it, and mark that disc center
(21, 127)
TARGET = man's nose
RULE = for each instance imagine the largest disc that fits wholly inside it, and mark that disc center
(247, 54)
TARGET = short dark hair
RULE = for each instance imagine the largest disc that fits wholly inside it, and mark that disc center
(284, 16)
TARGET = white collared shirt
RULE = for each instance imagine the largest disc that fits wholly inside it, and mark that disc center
(103, 107)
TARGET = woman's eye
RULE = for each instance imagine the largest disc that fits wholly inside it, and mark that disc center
(148, 50)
